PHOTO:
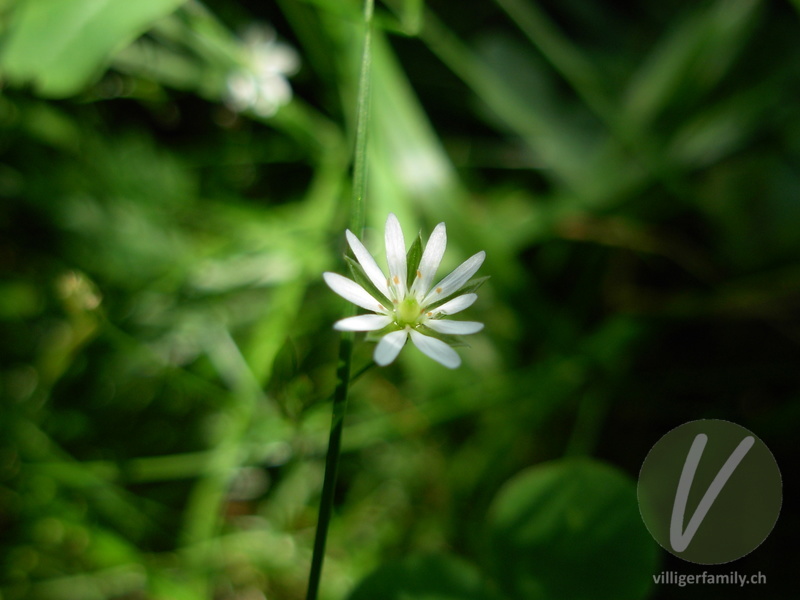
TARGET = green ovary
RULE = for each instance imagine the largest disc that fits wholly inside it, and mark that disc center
(407, 312)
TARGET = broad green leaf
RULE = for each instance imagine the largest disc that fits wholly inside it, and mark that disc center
(424, 577)
(408, 165)
(720, 129)
(553, 136)
(691, 57)
(59, 45)
(570, 530)
(412, 16)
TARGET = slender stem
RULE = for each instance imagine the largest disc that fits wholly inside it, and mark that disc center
(357, 220)
(357, 213)
(331, 464)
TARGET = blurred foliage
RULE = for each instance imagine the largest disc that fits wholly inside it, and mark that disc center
(167, 357)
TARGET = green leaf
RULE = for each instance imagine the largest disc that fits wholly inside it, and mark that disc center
(60, 45)
(570, 530)
(423, 577)
(413, 257)
(691, 57)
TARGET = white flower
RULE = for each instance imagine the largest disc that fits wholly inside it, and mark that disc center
(405, 304)
(261, 84)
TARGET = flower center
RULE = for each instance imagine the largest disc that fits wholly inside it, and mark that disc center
(407, 311)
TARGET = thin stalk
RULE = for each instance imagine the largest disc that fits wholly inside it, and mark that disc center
(357, 220)
(357, 213)
(331, 464)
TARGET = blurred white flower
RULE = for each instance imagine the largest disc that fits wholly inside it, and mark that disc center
(261, 84)
(406, 304)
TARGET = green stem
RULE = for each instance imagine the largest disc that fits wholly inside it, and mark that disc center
(357, 220)
(357, 216)
(331, 465)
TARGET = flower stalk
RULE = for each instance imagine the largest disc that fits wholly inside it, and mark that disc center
(357, 220)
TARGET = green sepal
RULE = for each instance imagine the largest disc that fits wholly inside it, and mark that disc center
(375, 336)
(472, 285)
(360, 277)
(413, 258)
(454, 341)
(468, 288)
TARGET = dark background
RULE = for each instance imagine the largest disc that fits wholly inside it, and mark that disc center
(167, 351)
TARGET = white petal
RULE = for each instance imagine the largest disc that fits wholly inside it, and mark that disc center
(454, 327)
(456, 305)
(429, 263)
(396, 256)
(456, 279)
(436, 349)
(365, 259)
(352, 292)
(363, 323)
(389, 347)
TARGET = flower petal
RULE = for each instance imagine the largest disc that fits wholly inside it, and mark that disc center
(362, 323)
(365, 259)
(396, 256)
(352, 292)
(456, 279)
(454, 327)
(389, 347)
(455, 305)
(429, 263)
(436, 349)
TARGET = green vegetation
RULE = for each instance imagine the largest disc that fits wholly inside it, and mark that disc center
(168, 361)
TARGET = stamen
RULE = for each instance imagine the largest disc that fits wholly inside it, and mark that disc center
(419, 274)
(396, 280)
(438, 290)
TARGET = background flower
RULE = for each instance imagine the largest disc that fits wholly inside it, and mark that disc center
(261, 84)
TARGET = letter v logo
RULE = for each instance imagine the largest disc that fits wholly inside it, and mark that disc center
(735, 488)
(678, 539)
